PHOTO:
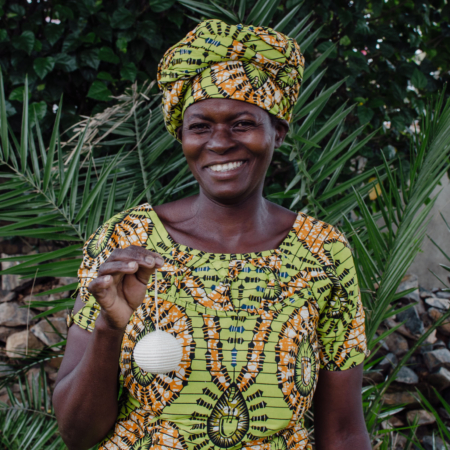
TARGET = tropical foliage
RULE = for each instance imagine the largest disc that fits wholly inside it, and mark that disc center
(59, 183)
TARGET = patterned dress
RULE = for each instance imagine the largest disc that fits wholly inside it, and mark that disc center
(255, 328)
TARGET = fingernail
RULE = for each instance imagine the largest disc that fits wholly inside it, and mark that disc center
(107, 277)
(132, 264)
(149, 260)
(160, 261)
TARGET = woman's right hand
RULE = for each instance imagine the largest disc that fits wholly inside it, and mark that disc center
(121, 283)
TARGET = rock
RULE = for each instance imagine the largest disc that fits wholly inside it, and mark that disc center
(16, 344)
(6, 331)
(425, 293)
(398, 398)
(439, 344)
(407, 376)
(12, 316)
(44, 331)
(7, 296)
(410, 281)
(397, 344)
(440, 379)
(426, 347)
(437, 358)
(435, 314)
(412, 321)
(431, 339)
(9, 282)
(439, 303)
(444, 414)
(382, 343)
(433, 443)
(373, 377)
(390, 360)
(5, 370)
(392, 422)
(443, 294)
(422, 417)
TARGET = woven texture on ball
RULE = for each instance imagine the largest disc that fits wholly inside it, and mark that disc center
(158, 352)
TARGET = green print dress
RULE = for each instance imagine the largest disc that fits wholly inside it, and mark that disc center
(255, 328)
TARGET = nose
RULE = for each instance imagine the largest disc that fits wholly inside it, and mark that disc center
(220, 140)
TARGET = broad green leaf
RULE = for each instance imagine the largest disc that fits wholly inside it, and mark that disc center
(53, 32)
(122, 18)
(364, 114)
(90, 58)
(107, 54)
(128, 71)
(38, 110)
(99, 91)
(17, 94)
(418, 79)
(43, 66)
(24, 42)
(161, 5)
(65, 62)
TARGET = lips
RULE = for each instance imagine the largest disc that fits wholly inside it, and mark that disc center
(226, 167)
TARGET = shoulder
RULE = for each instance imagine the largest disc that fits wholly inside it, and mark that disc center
(322, 240)
(130, 227)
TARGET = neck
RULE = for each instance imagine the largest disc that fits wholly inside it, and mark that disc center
(231, 220)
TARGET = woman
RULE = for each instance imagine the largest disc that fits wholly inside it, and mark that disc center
(264, 302)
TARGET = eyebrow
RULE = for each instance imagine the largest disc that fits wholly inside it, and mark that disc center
(234, 116)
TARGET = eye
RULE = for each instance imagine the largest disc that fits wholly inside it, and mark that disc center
(244, 124)
(198, 126)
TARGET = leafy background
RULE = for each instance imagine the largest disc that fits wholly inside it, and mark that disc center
(369, 142)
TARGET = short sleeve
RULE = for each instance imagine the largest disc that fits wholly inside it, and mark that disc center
(127, 228)
(341, 329)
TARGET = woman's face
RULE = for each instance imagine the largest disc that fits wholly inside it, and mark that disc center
(228, 146)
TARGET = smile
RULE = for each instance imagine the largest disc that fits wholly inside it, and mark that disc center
(226, 167)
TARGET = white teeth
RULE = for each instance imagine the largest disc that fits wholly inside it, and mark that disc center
(226, 167)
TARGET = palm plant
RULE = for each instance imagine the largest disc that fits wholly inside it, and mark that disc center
(29, 422)
(63, 190)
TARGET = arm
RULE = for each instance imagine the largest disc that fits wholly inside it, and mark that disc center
(338, 414)
(85, 396)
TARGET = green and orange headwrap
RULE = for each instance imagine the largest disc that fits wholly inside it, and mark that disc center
(254, 64)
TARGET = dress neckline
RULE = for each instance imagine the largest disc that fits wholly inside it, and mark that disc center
(169, 241)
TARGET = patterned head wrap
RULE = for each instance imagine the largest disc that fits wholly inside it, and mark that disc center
(254, 64)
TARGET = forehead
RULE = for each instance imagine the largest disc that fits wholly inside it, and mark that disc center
(222, 109)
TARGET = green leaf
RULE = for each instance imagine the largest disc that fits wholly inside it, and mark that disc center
(107, 54)
(161, 5)
(285, 21)
(17, 94)
(90, 58)
(38, 109)
(43, 66)
(364, 114)
(105, 76)
(128, 71)
(24, 42)
(65, 62)
(99, 91)
(122, 44)
(345, 40)
(53, 32)
(122, 18)
(51, 149)
(4, 36)
(418, 79)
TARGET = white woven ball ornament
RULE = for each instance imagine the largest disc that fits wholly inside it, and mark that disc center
(159, 352)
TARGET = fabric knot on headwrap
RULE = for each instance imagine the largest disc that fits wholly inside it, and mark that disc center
(257, 65)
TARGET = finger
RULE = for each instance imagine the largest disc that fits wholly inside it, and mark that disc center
(101, 288)
(147, 268)
(117, 268)
(135, 253)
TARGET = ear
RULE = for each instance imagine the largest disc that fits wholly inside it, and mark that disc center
(180, 133)
(281, 130)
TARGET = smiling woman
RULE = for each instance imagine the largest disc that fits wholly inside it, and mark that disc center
(264, 302)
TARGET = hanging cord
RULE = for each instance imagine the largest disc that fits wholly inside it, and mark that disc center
(156, 300)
